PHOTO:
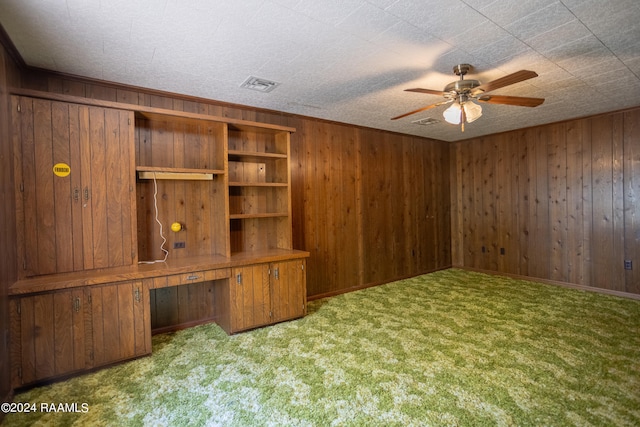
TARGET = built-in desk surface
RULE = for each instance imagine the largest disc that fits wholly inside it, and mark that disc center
(151, 271)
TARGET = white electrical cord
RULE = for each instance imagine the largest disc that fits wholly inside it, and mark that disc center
(164, 240)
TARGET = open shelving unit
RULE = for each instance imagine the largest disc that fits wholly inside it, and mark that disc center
(259, 191)
(181, 161)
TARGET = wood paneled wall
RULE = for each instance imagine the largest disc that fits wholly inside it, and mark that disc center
(8, 260)
(562, 202)
(370, 206)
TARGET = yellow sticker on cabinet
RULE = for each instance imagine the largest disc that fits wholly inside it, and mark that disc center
(61, 169)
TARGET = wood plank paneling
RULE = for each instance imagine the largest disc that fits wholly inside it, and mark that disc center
(250, 297)
(142, 318)
(631, 168)
(539, 256)
(44, 335)
(607, 203)
(513, 255)
(126, 323)
(176, 306)
(352, 244)
(81, 220)
(63, 329)
(108, 324)
(549, 202)
(95, 195)
(557, 155)
(570, 191)
(28, 342)
(120, 323)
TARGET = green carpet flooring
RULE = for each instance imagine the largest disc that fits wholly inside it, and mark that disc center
(451, 348)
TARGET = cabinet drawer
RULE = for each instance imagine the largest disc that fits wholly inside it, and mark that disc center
(191, 277)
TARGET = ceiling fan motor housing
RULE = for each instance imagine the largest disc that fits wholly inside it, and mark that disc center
(460, 87)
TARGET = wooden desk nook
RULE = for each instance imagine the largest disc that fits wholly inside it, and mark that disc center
(98, 185)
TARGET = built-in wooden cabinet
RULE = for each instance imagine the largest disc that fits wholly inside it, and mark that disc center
(288, 290)
(48, 335)
(120, 320)
(250, 297)
(267, 293)
(63, 332)
(99, 185)
(75, 197)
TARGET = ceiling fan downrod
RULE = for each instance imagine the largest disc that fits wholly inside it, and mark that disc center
(461, 70)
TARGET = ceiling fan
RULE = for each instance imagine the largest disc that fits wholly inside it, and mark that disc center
(462, 93)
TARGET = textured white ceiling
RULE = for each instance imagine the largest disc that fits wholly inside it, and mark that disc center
(347, 60)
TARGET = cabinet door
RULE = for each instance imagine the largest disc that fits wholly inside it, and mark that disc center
(121, 323)
(288, 290)
(48, 335)
(75, 186)
(250, 298)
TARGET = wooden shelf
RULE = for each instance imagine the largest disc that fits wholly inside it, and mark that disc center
(151, 172)
(258, 184)
(258, 215)
(251, 156)
(178, 170)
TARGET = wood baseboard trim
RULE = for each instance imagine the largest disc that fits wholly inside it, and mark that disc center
(369, 285)
(553, 282)
(479, 270)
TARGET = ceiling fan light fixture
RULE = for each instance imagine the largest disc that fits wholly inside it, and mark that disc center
(461, 94)
(472, 110)
(453, 114)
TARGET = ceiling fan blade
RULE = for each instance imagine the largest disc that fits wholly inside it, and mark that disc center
(429, 91)
(507, 80)
(511, 100)
(428, 107)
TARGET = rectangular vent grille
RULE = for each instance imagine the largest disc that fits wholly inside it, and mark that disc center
(261, 85)
(426, 121)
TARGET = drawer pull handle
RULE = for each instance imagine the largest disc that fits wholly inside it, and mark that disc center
(193, 277)
(76, 304)
(137, 295)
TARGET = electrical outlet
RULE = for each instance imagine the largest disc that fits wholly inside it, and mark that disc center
(178, 245)
(628, 265)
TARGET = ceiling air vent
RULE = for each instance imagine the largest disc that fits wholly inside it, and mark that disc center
(426, 121)
(256, 83)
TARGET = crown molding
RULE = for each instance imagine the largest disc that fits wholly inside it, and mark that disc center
(11, 49)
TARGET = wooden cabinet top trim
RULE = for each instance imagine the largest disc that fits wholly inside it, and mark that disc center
(147, 271)
(157, 113)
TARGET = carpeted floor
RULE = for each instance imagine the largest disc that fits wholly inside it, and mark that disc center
(452, 348)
